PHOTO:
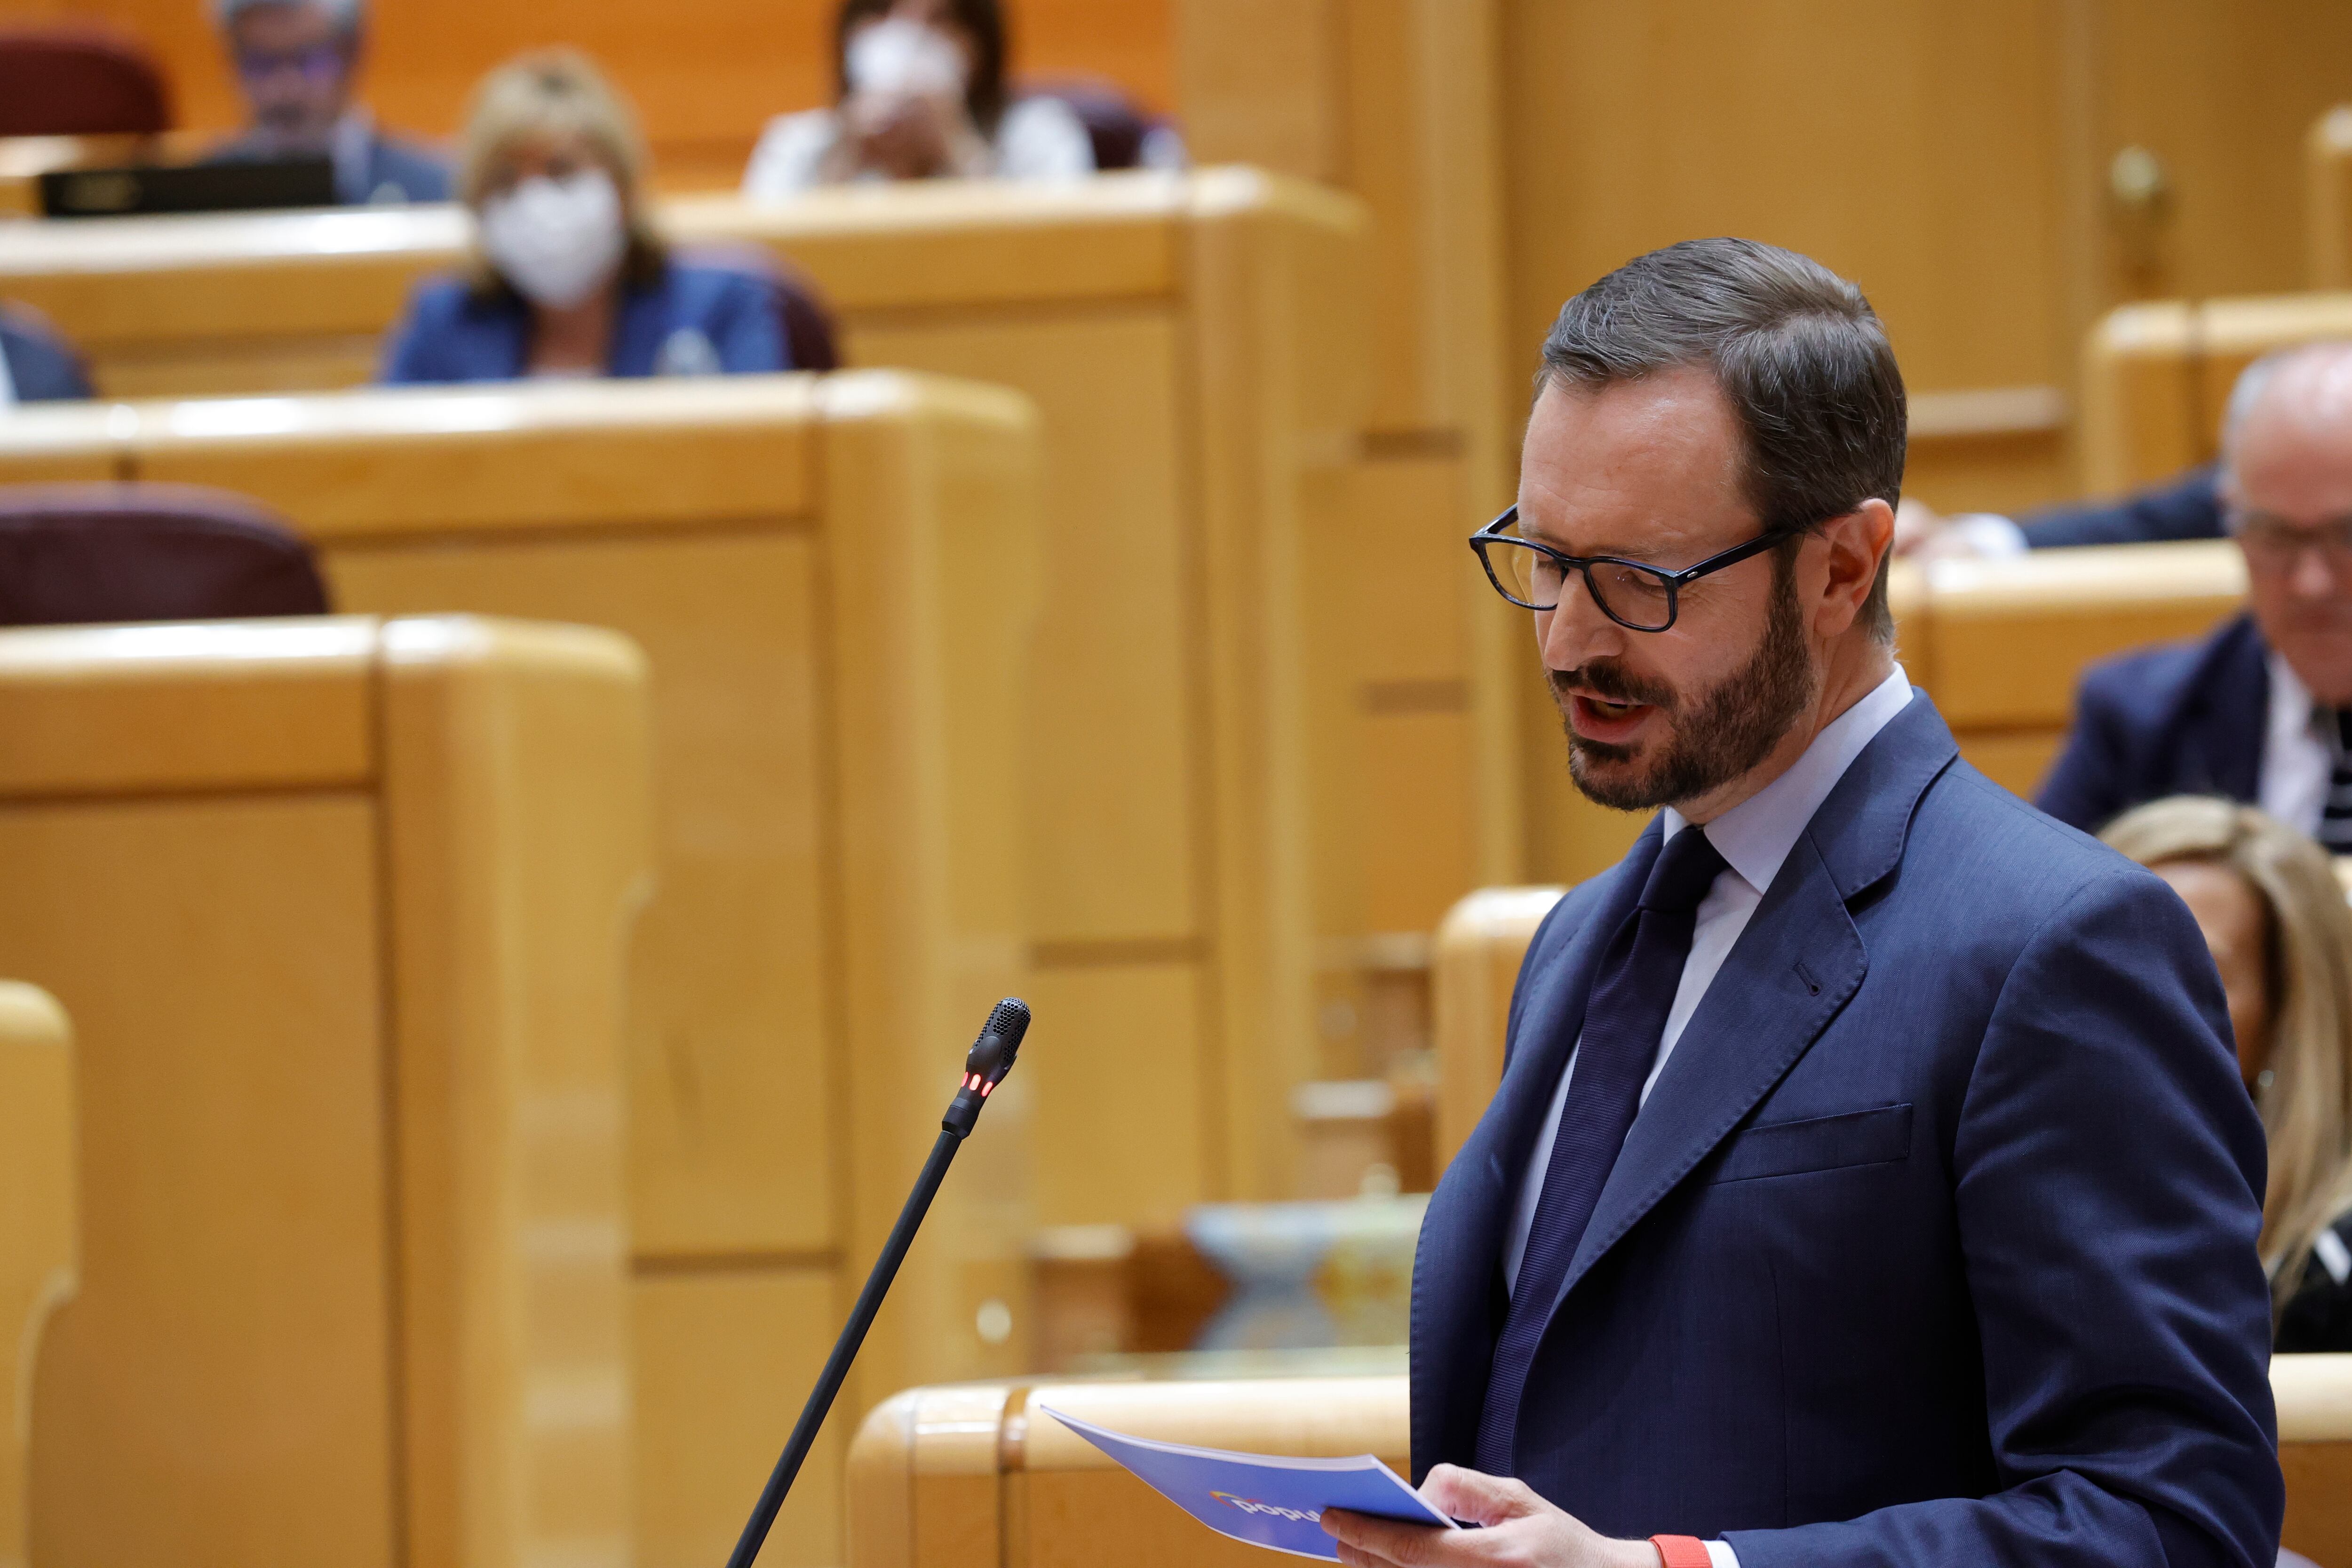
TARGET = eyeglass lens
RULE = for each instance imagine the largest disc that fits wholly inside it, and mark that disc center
(1632, 595)
(2275, 544)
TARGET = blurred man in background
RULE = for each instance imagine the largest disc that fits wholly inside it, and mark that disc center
(2260, 711)
(296, 61)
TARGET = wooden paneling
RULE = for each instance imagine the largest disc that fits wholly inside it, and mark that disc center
(2223, 92)
(1113, 817)
(38, 1220)
(723, 1363)
(704, 74)
(2328, 199)
(837, 607)
(348, 1073)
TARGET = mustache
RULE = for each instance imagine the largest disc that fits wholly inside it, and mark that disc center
(1607, 677)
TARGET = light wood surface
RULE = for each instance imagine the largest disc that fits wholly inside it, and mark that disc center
(1479, 947)
(348, 1080)
(834, 583)
(39, 1222)
(982, 1477)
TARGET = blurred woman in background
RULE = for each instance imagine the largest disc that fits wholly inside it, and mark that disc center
(570, 279)
(2274, 916)
(922, 96)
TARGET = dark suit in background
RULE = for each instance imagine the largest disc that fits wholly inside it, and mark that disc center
(2187, 508)
(1934, 1242)
(2183, 718)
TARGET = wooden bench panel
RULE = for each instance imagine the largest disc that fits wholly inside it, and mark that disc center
(38, 1220)
(980, 1477)
(351, 1149)
(2156, 378)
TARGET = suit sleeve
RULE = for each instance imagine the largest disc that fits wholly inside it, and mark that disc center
(2189, 508)
(2108, 1168)
(2087, 785)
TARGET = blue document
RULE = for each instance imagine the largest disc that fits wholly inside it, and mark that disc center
(1266, 1500)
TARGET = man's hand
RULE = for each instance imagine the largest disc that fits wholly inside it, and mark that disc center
(1522, 1531)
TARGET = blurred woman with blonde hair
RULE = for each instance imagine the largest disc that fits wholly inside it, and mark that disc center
(570, 279)
(2274, 916)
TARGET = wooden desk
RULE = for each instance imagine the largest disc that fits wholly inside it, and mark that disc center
(334, 905)
(1223, 757)
(39, 1252)
(833, 581)
(979, 1476)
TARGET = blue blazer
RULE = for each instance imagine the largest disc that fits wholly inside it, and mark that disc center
(42, 366)
(2187, 508)
(396, 171)
(2183, 718)
(695, 318)
(1935, 1241)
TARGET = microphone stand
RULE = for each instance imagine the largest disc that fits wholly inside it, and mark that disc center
(989, 1059)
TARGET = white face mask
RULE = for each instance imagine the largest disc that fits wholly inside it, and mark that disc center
(557, 241)
(899, 56)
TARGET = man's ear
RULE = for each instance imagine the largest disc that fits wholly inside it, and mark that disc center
(1858, 544)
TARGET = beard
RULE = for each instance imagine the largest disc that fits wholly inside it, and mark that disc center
(1712, 737)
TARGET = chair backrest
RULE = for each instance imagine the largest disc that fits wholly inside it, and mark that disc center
(1114, 124)
(78, 81)
(80, 554)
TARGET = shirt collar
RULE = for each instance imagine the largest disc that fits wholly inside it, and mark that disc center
(1755, 836)
(2294, 712)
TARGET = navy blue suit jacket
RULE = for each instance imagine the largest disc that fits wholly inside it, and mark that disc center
(453, 332)
(2183, 718)
(42, 366)
(2187, 508)
(1934, 1242)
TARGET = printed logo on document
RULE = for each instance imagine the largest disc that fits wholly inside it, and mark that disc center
(1251, 1505)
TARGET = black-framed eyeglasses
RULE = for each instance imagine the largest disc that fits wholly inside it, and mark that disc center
(1635, 595)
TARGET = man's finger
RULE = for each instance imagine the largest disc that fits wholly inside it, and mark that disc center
(1383, 1540)
(1476, 1498)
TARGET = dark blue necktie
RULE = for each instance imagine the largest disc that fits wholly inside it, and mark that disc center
(1632, 991)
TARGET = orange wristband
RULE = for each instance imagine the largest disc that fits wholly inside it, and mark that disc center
(1682, 1552)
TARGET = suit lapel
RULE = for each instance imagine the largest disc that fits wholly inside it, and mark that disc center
(1796, 964)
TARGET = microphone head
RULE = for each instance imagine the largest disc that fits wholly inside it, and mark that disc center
(991, 1057)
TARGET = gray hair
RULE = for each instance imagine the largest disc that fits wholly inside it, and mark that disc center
(2255, 380)
(349, 16)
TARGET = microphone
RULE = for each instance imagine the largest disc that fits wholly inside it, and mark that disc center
(984, 1067)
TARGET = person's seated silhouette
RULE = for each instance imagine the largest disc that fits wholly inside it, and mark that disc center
(571, 280)
(295, 61)
(923, 96)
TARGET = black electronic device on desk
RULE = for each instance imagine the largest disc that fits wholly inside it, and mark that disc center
(231, 185)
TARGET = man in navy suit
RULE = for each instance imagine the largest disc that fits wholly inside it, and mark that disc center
(2260, 711)
(1869, 1181)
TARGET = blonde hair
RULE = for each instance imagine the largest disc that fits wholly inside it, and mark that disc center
(2306, 1107)
(553, 94)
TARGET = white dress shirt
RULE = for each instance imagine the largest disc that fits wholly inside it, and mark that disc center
(2296, 762)
(1753, 837)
